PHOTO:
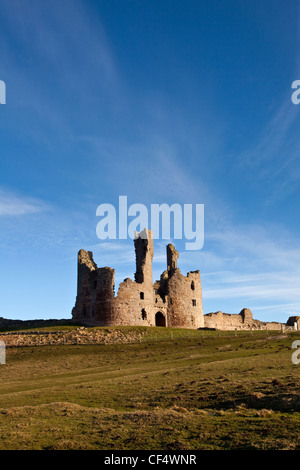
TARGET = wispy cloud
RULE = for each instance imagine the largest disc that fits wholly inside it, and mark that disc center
(253, 267)
(274, 157)
(110, 253)
(15, 205)
(259, 290)
(67, 62)
(273, 136)
(29, 223)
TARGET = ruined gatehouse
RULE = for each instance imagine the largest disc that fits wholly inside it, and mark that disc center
(174, 301)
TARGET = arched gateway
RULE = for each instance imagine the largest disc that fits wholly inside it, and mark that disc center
(160, 319)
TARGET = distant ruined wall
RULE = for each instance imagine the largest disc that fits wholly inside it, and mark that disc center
(223, 321)
(241, 321)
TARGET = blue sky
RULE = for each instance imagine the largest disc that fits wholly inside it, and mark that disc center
(165, 102)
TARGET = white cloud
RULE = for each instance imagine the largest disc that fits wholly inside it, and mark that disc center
(275, 156)
(258, 291)
(14, 205)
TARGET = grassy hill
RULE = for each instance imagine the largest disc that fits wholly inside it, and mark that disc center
(170, 389)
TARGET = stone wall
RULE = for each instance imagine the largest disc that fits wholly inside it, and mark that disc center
(294, 322)
(241, 321)
(67, 337)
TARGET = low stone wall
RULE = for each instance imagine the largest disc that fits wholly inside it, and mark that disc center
(271, 326)
(78, 336)
(241, 321)
(223, 321)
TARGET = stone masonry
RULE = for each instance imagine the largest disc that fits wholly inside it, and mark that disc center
(175, 300)
(242, 321)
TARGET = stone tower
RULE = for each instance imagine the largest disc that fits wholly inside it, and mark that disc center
(184, 295)
(143, 243)
(172, 257)
(95, 291)
(175, 300)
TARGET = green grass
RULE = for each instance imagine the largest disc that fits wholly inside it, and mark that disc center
(176, 389)
(149, 333)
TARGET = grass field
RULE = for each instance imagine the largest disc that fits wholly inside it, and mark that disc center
(175, 389)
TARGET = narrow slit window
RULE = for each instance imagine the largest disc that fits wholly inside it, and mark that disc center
(144, 314)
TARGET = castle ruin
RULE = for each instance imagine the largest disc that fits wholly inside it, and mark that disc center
(173, 301)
